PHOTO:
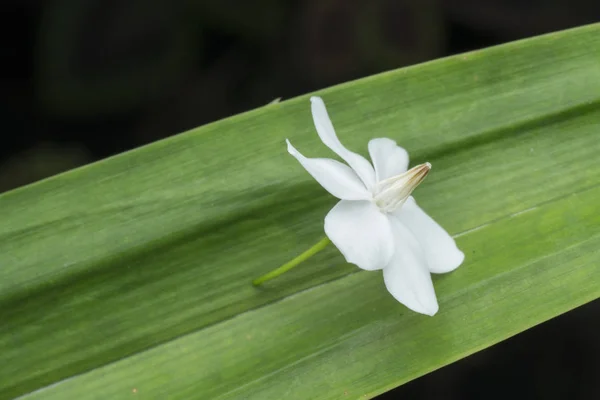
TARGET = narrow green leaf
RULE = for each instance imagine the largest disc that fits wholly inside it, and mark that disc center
(132, 276)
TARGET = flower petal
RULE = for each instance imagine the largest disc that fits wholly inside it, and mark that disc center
(439, 247)
(362, 233)
(388, 158)
(406, 277)
(324, 127)
(335, 177)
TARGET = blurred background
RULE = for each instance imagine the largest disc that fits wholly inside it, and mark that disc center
(82, 80)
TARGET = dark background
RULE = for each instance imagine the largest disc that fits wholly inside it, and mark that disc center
(86, 79)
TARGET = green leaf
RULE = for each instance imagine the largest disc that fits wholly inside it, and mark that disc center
(131, 276)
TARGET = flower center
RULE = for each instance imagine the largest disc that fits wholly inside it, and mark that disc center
(391, 193)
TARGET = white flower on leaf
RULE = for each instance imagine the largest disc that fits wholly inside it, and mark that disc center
(377, 224)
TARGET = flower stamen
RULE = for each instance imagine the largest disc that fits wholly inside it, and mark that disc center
(392, 192)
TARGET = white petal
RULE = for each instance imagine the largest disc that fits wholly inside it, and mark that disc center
(362, 233)
(388, 158)
(324, 127)
(439, 247)
(337, 178)
(406, 277)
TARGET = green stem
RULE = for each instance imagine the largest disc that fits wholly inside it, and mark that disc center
(291, 264)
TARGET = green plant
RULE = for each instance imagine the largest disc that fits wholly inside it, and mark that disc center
(133, 275)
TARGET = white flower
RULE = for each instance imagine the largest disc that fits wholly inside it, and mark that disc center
(377, 224)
